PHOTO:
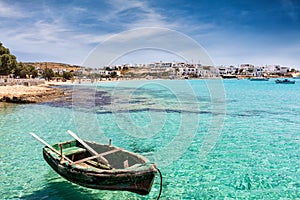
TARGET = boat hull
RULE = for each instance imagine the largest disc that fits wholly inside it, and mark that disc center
(284, 82)
(137, 179)
(228, 76)
(259, 79)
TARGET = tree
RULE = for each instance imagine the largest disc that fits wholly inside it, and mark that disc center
(68, 75)
(113, 74)
(25, 71)
(48, 73)
(206, 68)
(8, 62)
(3, 50)
(9, 65)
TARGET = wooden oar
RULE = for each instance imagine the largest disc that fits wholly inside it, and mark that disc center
(49, 146)
(90, 149)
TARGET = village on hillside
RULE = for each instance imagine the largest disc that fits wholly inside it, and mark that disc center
(164, 70)
(34, 73)
(61, 72)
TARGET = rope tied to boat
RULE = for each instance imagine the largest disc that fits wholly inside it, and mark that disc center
(161, 179)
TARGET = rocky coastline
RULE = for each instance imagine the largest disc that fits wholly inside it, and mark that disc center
(29, 94)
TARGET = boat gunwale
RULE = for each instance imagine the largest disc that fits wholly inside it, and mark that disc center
(138, 178)
(134, 168)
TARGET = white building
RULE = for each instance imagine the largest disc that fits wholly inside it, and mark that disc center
(274, 69)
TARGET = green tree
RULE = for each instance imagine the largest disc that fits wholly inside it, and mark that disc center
(113, 74)
(48, 73)
(8, 62)
(206, 68)
(9, 65)
(25, 71)
(68, 75)
(3, 50)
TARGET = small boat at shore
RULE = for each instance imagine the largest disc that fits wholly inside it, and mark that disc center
(284, 81)
(100, 166)
(228, 76)
(258, 79)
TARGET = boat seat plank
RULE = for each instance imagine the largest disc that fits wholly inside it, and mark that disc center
(97, 164)
(96, 156)
(73, 151)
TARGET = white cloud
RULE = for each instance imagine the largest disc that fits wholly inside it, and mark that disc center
(77, 9)
(140, 13)
(154, 39)
(46, 36)
(245, 50)
(50, 35)
(47, 40)
(10, 10)
(47, 33)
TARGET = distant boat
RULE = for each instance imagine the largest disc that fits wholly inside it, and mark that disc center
(258, 79)
(100, 166)
(228, 76)
(285, 81)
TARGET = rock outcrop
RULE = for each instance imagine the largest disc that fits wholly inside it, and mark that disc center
(32, 94)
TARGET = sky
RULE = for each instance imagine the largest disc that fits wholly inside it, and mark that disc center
(259, 32)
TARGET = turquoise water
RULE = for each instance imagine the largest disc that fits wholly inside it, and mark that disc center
(237, 142)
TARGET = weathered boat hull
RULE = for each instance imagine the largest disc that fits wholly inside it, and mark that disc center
(137, 178)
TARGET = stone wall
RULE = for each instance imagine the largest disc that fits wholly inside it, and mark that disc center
(6, 81)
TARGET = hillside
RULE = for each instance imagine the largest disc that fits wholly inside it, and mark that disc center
(53, 65)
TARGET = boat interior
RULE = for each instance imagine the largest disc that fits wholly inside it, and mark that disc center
(117, 158)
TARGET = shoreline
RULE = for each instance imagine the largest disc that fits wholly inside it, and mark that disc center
(47, 90)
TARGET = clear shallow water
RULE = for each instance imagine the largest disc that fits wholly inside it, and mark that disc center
(256, 156)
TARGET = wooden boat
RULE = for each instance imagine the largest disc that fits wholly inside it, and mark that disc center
(111, 168)
(258, 79)
(285, 81)
(228, 76)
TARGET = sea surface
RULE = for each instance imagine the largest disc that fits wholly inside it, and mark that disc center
(211, 139)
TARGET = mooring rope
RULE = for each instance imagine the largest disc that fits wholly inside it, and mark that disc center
(161, 178)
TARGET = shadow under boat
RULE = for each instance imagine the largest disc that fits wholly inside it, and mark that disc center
(59, 190)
